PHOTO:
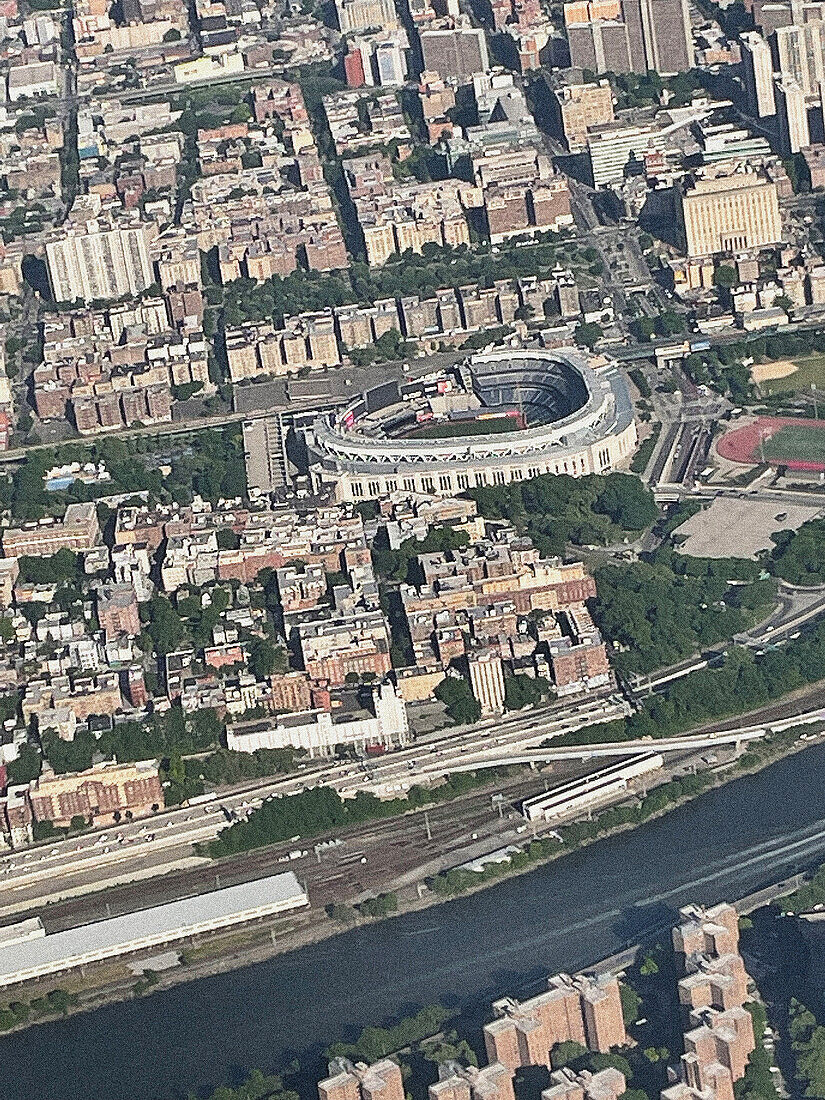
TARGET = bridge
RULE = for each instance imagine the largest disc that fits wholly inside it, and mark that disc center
(495, 758)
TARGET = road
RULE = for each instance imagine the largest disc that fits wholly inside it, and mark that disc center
(502, 941)
(796, 607)
(148, 847)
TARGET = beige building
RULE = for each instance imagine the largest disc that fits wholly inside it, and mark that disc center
(731, 209)
(361, 15)
(487, 681)
(96, 257)
(792, 114)
(757, 69)
(581, 106)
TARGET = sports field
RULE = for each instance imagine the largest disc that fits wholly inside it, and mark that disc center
(809, 371)
(781, 441)
(455, 429)
(796, 444)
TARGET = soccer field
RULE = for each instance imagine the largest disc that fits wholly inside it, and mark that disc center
(795, 443)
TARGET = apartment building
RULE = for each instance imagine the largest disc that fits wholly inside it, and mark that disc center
(78, 530)
(96, 256)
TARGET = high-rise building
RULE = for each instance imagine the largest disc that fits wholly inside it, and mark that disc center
(733, 208)
(455, 52)
(667, 33)
(380, 1081)
(581, 106)
(93, 256)
(389, 61)
(792, 114)
(757, 69)
(630, 36)
(361, 15)
(800, 55)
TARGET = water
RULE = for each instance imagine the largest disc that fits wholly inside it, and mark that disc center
(505, 939)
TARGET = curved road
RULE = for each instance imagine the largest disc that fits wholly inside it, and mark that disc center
(563, 916)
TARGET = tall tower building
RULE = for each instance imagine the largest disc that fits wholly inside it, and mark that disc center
(794, 132)
(800, 53)
(668, 37)
(631, 36)
(757, 67)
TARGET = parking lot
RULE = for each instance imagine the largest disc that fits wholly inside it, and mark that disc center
(739, 527)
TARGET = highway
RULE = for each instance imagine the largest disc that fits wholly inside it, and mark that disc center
(153, 846)
(163, 846)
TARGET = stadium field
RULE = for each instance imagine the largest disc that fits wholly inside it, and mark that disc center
(796, 444)
(781, 441)
(455, 429)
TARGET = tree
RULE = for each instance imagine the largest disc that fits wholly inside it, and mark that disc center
(588, 334)
(725, 276)
(523, 691)
(163, 625)
(263, 658)
(631, 1003)
(26, 767)
(227, 539)
(463, 709)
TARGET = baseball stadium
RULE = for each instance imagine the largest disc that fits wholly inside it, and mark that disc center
(496, 418)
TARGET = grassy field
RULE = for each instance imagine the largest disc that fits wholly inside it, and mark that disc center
(809, 370)
(454, 429)
(796, 443)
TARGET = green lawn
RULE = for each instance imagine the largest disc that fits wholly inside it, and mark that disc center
(796, 443)
(809, 370)
(453, 429)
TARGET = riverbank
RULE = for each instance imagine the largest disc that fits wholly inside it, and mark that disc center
(504, 940)
(234, 950)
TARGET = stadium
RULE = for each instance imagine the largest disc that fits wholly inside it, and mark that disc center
(493, 419)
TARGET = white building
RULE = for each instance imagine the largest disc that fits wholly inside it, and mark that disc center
(317, 733)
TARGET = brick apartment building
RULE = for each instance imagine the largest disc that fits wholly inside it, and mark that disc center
(582, 1010)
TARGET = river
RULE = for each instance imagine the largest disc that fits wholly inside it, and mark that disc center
(563, 916)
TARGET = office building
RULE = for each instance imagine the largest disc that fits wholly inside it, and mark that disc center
(730, 209)
(757, 72)
(582, 106)
(612, 146)
(94, 256)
